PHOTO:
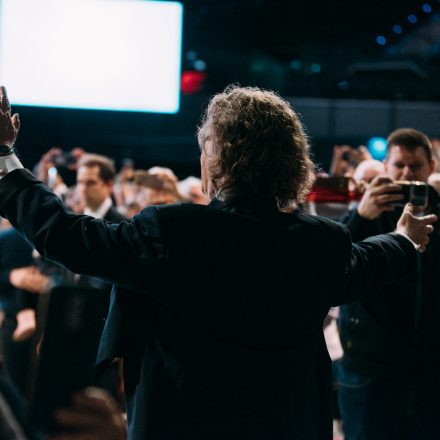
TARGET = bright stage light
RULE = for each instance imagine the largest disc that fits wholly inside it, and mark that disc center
(377, 146)
(92, 54)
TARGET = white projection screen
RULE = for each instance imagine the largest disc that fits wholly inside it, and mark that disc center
(92, 54)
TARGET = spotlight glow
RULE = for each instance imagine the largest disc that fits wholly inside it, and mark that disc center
(377, 146)
(381, 40)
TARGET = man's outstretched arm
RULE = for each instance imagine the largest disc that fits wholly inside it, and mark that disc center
(385, 258)
(123, 254)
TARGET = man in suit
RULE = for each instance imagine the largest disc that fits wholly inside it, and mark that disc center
(94, 182)
(224, 355)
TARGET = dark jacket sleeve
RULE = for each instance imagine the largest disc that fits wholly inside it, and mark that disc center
(360, 228)
(123, 254)
(376, 261)
(4, 279)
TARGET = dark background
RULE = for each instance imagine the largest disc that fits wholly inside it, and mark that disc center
(323, 56)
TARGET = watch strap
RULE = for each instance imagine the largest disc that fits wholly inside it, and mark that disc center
(6, 150)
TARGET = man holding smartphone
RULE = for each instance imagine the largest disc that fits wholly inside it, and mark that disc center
(389, 384)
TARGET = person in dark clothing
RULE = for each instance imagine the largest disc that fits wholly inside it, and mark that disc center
(389, 383)
(223, 355)
(18, 275)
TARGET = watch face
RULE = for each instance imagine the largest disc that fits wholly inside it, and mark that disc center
(5, 150)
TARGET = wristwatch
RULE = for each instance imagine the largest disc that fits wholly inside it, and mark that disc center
(6, 150)
(8, 160)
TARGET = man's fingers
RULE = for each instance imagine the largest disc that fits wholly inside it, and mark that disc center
(388, 198)
(94, 400)
(4, 101)
(16, 121)
(408, 208)
(429, 229)
(429, 219)
(387, 208)
(380, 180)
(386, 188)
(67, 418)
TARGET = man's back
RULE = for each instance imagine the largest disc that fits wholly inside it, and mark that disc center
(219, 310)
(232, 324)
(234, 338)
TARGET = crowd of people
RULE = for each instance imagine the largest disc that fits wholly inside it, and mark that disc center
(382, 338)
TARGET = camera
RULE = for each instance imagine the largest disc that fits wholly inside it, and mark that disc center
(64, 160)
(414, 192)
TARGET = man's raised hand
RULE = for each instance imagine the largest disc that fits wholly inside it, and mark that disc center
(416, 228)
(9, 125)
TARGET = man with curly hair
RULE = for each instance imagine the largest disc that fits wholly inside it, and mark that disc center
(224, 355)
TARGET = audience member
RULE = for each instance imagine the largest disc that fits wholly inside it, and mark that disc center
(434, 181)
(346, 158)
(95, 178)
(191, 189)
(367, 170)
(388, 384)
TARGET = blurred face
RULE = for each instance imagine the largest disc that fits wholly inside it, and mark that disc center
(91, 187)
(405, 164)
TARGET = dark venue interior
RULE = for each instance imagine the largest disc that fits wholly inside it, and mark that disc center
(219, 220)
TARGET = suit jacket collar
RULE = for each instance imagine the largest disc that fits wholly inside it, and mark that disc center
(252, 206)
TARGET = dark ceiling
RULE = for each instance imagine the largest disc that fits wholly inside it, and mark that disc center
(275, 43)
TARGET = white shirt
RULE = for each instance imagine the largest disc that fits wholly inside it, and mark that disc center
(102, 209)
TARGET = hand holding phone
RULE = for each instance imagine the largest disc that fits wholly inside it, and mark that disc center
(380, 196)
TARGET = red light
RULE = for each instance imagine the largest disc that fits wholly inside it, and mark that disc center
(192, 81)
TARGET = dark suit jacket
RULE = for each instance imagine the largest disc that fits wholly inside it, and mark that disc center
(114, 216)
(218, 310)
(14, 253)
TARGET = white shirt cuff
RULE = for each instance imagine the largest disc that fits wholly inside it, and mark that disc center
(8, 164)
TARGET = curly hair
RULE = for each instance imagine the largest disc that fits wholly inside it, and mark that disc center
(258, 147)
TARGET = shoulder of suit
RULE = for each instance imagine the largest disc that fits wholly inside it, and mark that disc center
(114, 215)
(323, 223)
(306, 219)
(181, 208)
